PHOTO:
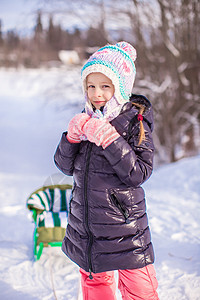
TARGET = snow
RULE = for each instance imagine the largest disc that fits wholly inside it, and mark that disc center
(173, 207)
(36, 106)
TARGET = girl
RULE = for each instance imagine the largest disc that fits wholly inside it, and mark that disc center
(108, 150)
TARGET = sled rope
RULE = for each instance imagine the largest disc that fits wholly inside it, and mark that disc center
(78, 293)
(52, 280)
(51, 274)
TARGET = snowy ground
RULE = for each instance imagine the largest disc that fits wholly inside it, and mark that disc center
(35, 108)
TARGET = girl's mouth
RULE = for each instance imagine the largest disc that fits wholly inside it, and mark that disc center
(99, 102)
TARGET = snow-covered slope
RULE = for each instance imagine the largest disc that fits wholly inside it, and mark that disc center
(35, 108)
(173, 195)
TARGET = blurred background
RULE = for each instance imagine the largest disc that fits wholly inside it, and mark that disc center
(41, 36)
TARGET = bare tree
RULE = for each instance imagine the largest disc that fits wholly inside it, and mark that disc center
(165, 34)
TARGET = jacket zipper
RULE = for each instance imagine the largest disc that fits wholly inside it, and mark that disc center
(123, 210)
(90, 235)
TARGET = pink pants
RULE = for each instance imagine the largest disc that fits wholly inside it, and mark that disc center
(138, 284)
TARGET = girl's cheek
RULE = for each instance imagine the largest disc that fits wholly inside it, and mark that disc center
(89, 95)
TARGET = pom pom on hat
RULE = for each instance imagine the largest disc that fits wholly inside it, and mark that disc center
(129, 49)
(117, 63)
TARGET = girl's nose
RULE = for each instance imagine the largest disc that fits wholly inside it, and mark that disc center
(97, 92)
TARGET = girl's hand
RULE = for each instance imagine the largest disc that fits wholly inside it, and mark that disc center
(100, 132)
(75, 128)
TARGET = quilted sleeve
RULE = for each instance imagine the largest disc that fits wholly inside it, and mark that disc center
(133, 164)
(65, 155)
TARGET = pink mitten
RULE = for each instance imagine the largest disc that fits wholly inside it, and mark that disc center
(75, 127)
(100, 132)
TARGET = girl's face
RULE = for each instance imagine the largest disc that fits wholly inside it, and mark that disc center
(99, 89)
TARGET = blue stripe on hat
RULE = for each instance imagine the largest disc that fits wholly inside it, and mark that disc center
(119, 50)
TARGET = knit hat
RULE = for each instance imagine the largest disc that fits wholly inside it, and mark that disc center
(117, 63)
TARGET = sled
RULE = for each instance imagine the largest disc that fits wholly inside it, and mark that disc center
(49, 206)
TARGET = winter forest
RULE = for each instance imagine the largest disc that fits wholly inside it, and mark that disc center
(165, 34)
(40, 90)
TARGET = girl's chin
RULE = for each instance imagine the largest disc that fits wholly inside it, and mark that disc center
(99, 104)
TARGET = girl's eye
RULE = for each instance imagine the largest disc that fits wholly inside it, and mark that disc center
(105, 86)
(91, 86)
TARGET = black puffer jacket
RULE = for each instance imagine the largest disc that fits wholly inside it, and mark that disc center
(107, 225)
